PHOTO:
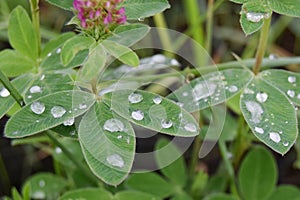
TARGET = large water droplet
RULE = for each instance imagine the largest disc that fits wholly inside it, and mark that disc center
(292, 79)
(203, 90)
(190, 127)
(4, 92)
(115, 160)
(256, 111)
(157, 99)
(37, 107)
(35, 89)
(275, 137)
(69, 122)
(158, 58)
(259, 130)
(233, 88)
(58, 111)
(135, 98)
(137, 115)
(291, 93)
(114, 125)
(261, 97)
(174, 62)
(254, 16)
(165, 123)
(42, 183)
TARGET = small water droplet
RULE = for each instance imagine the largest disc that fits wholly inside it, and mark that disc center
(248, 91)
(29, 96)
(58, 111)
(119, 136)
(272, 57)
(157, 99)
(298, 96)
(4, 92)
(135, 98)
(114, 125)
(39, 195)
(141, 19)
(292, 79)
(37, 107)
(233, 88)
(174, 62)
(69, 122)
(58, 150)
(42, 77)
(291, 93)
(137, 115)
(58, 50)
(72, 133)
(275, 137)
(37, 121)
(286, 144)
(166, 123)
(185, 94)
(82, 106)
(203, 90)
(280, 132)
(42, 183)
(190, 127)
(259, 130)
(49, 54)
(115, 160)
(256, 111)
(261, 97)
(128, 140)
(286, 122)
(35, 89)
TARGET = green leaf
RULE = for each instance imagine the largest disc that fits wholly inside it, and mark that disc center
(56, 43)
(287, 82)
(274, 125)
(15, 194)
(46, 84)
(73, 46)
(54, 108)
(211, 89)
(124, 34)
(64, 4)
(45, 186)
(151, 183)
(152, 111)
(14, 63)
(171, 162)
(26, 192)
(217, 183)
(21, 34)
(136, 9)
(220, 196)
(88, 194)
(108, 143)
(134, 195)
(257, 174)
(94, 64)
(286, 7)
(289, 192)
(122, 53)
(21, 83)
(199, 183)
(182, 196)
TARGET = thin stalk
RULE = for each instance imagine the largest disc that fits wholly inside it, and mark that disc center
(13, 91)
(72, 158)
(4, 176)
(35, 11)
(194, 157)
(209, 26)
(229, 167)
(263, 40)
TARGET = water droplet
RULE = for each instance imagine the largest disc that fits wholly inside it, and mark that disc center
(259, 130)
(166, 123)
(157, 99)
(141, 19)
(29, 96)
(275, 137)
(42, 77)
(35, 89)
(256, 17)
(72, 133)
(298, 96)
(58, 50)
(256, 111)
(292, 79)
(128, 140)
(286, 122)
(202, 90)
(37, 107)
(233, 88)
(82, 106)
(42, 183)
(158, 58)
(137, 115)
(185, 94)
(174, 62)
(39, 195)
(180, 104)
(69, 122)
(58, 150)
(4, 92)
(37, 121)
(115, 160)
(119, 136)
(114, 125)
(49, 54)
(190, 127)
(58, 111)
(248, 91)
(286, 144)
(272, 56)
(261, 97)
(291, 93)
(135, 98)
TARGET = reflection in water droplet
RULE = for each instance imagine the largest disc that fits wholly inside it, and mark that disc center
(69, 122)
(292, 79)
(35, 89)
(291, 93)
(157, 99)
(166, 123)
(256, 111)
(4, 92)
(259, 130)
(233, 88)
(190, 127)
(58, 111)
(285, 144)
(114, 125)
(137, 115)
(115, 160)
(261, 97)
(135, 98)
(37, 107)
(275, 137)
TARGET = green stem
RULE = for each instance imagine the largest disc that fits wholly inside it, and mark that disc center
(72, 158)
(229, 167)
(35, 14)
(13, 91)
(209, 26)
(194, 156)
(262, 45)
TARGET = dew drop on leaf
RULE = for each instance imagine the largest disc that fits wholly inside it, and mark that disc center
(174, 62)
(58, 111)
(82, 106)
(58, 50)
(190, 127)
(166, 123)
(39, 195)
(233, 88)
(157, 100)
(158, 58)
(115, 160)
(185, 94)
(262, 97)
(69, 122)
(275, 137)
(256, 111)
(291, 93)
(35, 89)
(4, 92)
(42, 77)
(135, 98)
(137, 115)
(141, 19)
(286, 144)
(58, 150)
(292, 79)
(203, 90)
(37, 107)
(259, 130)
(49, 54)
(114, 125)
(254, 16)
(42, 183)
(119, 136)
